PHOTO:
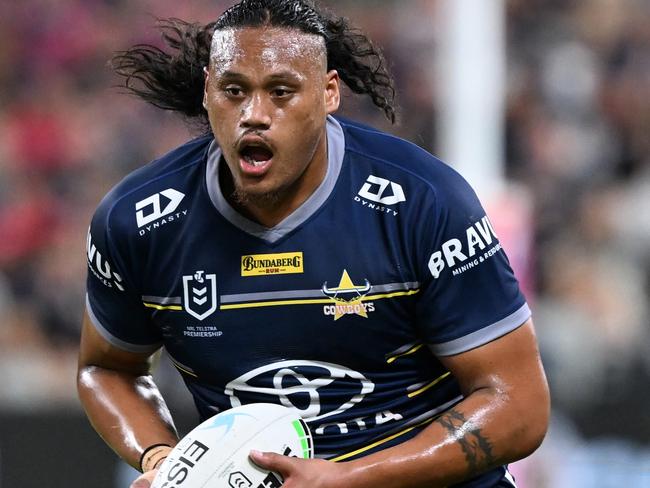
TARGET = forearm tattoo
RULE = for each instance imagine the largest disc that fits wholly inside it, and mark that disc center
(477, 448)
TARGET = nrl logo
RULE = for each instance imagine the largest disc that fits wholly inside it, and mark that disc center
(348, 298)
(200, 294)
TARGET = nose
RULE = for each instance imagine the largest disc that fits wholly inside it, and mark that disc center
(256, 113)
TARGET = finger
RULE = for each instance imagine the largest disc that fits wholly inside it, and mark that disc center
(141, 483)
(145, 480)
(272, 461)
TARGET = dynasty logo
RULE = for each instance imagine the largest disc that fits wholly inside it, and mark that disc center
(158, 210)
(348, 298)
(376, 195)
(268, 264)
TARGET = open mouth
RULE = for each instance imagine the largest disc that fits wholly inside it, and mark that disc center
(256, 155)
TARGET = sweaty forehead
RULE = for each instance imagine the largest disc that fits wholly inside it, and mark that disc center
(269, 46)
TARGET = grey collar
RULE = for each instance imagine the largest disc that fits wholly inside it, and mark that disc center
(335, 154)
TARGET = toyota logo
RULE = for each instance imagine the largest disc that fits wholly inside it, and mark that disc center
(315, 389)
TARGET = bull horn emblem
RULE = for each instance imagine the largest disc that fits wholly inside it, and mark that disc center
(346, 290)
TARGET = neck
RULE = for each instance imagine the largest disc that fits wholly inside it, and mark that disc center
(271, 209)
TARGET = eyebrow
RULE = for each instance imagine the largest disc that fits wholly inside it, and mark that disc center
(279, 76)
(232, 75)
(283, 75)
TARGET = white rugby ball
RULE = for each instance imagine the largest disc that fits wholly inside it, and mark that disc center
(215, 453)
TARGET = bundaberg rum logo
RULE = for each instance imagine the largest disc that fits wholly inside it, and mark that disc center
(271, 264)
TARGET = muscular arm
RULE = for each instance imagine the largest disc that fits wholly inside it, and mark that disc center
(503, 417)
(120, 397)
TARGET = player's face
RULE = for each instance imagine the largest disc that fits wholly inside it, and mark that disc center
(267, 94)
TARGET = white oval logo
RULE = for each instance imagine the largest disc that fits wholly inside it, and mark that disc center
(300, 385)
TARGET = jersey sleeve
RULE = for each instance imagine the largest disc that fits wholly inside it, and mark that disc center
(112, 301)
(470, 295)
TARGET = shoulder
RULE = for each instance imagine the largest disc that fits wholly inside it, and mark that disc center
(153, 188)
(405, 163)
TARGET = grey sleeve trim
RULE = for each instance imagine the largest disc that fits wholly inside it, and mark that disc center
(115, 341)
(483, 336)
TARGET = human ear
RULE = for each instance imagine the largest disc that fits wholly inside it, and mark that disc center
(206, 74)
(332, 92)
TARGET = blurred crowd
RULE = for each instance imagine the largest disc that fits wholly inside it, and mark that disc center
(577, 137)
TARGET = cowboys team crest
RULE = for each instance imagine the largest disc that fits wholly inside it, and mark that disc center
(348, 298)
(200, 294)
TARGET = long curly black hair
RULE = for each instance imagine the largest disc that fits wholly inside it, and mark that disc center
(173, 79)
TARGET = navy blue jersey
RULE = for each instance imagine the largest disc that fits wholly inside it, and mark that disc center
(340, 311)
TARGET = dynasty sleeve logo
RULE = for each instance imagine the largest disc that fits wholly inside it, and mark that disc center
(151, 214)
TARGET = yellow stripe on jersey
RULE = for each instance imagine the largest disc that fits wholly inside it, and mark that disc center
(361, 450)
(390, 295)
(181, 368)
(275, 303)
(410, 351)
(429, 385)
(162, 307)
(325, 301)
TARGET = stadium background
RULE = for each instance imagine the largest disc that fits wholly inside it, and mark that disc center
(577, 140)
